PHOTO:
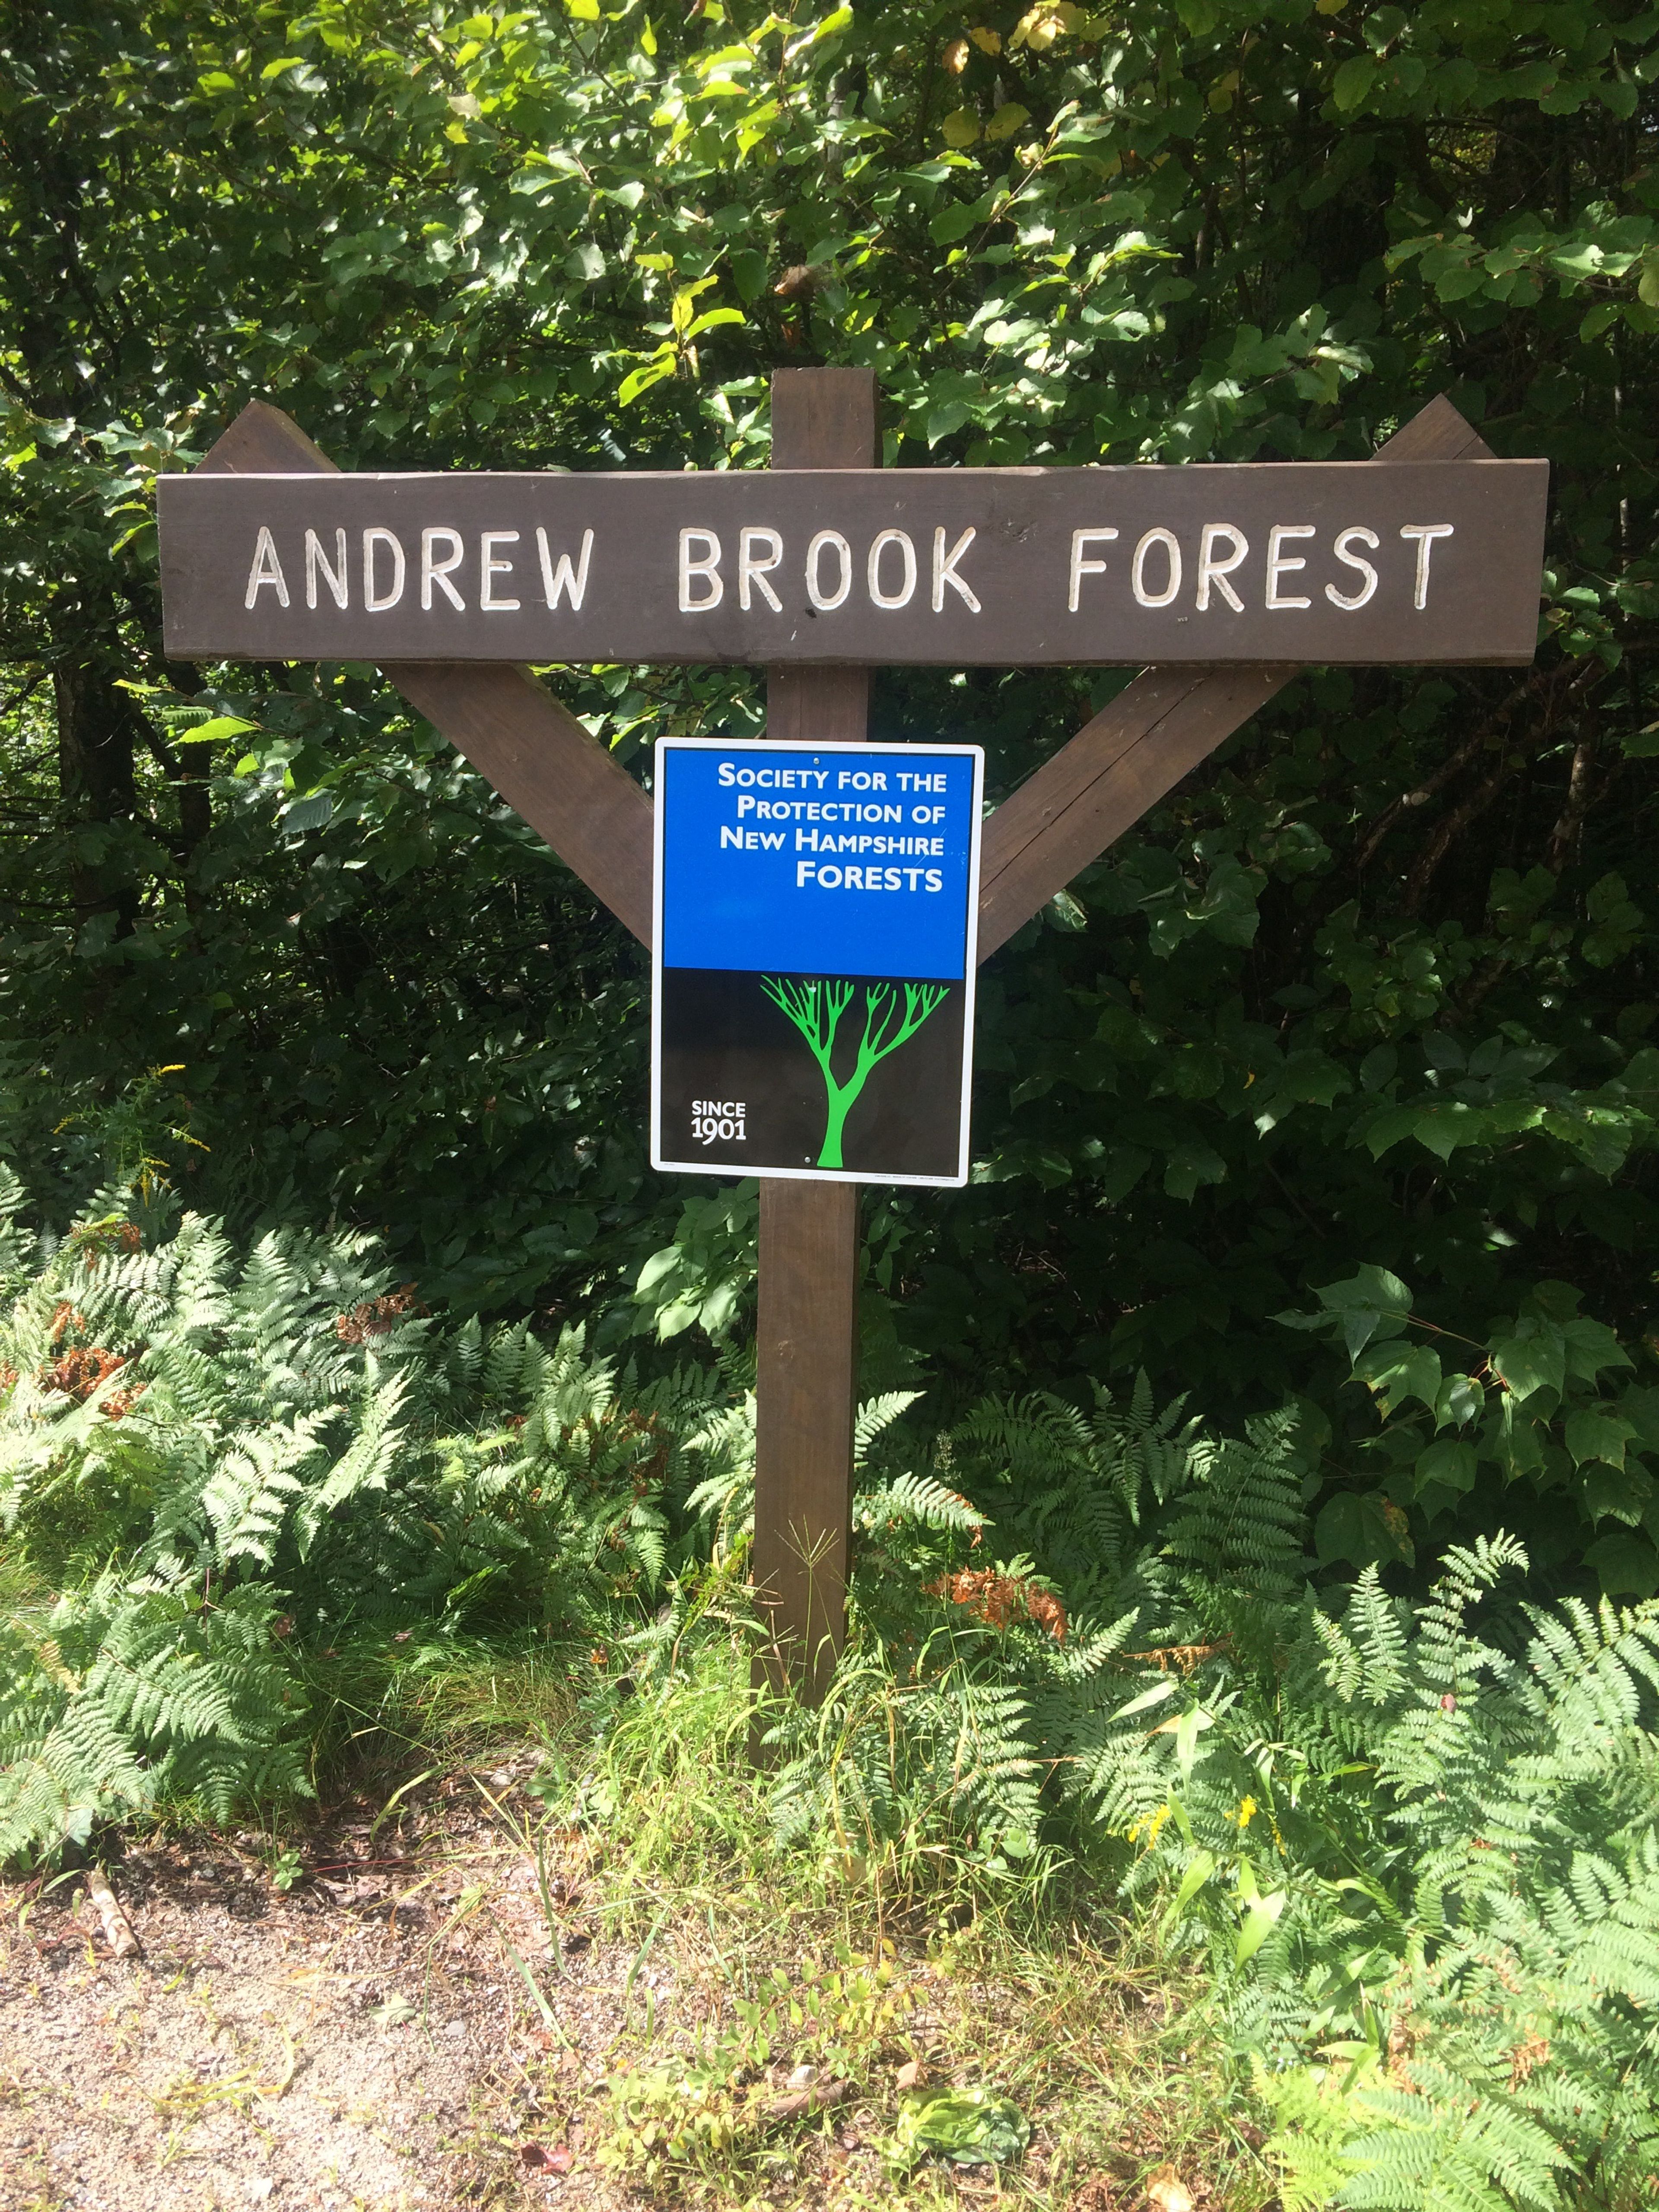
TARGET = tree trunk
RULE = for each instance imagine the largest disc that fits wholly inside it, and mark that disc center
(97, 724)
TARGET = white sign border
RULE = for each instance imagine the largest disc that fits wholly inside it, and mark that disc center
(895, 745)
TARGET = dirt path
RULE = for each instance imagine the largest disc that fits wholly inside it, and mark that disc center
(363, 2039)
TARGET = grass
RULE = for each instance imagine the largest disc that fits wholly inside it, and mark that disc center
(745, 1961)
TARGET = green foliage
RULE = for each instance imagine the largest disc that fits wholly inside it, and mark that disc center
(712, 2108)
(1516, 1790)
(707, 1275)
(125, 1695)
(1543, 1399)
(1416, 1840)
(968, 2127)
(1374, 982)
(1408, 1843)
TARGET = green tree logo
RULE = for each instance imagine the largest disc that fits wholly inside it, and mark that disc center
(816, 1009)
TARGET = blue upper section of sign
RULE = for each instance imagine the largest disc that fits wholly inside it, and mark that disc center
(799, 859)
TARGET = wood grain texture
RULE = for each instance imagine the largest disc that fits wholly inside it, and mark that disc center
(1138, 747)
(825, 418)
(806, 1388)
(807, 1329)
(500, 717)
(818, 706)
(1436, 432)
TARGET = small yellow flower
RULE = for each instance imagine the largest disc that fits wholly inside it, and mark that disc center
(1247, 1810)
(1150, 1828)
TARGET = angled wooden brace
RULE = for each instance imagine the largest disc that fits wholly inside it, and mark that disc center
(535, 752)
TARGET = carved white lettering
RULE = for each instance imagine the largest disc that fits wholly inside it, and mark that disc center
(907, 589)
(1358, 535)
(944, 571)
(377, 602)
(751, 571)
(1279, 565)
(826, 603)
(266, 569)
(705, 565)
(335, 578)
(489, 567)
(1171, 546)
(438, 572)
(1424, 533)
(1211, 571)
(1081, 567)
(561, 581)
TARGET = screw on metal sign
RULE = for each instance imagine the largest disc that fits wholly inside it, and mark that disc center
(829, 1044)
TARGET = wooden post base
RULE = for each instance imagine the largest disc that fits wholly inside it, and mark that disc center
(806, 1387)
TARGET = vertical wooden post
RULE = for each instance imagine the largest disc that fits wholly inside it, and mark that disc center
(807, 1330)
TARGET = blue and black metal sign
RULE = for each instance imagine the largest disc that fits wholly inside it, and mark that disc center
(814, 955)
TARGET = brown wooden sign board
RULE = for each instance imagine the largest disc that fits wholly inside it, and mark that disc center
(1159, 727)
(1329, 562)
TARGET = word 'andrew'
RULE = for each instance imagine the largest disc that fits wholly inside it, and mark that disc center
(385, 571)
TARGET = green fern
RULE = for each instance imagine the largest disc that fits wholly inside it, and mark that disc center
(274, 1436)
(920, 1500)
(1417, 1833)
(130, 1697)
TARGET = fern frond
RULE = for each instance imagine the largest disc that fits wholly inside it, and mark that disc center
(919, 1498)
(875, 1415)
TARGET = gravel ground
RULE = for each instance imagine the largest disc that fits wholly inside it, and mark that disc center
(366, 2039)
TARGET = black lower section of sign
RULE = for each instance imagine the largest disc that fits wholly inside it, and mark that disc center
(744, 1086)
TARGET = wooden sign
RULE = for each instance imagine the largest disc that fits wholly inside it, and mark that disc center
(1452, 496)
(812, 1001)
(1265, 562)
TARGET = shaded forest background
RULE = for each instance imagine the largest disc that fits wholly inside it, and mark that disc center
(1367, 1004)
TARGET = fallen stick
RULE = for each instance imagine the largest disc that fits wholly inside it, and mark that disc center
(117, 1929)
(816, 2098)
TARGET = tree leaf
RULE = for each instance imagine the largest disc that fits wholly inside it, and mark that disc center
(1597, 1432)
(1533, 1363)
(1372, 1303)
(1398, 1370)
(1352, 82)
(1448, 1463)
(215, 727)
